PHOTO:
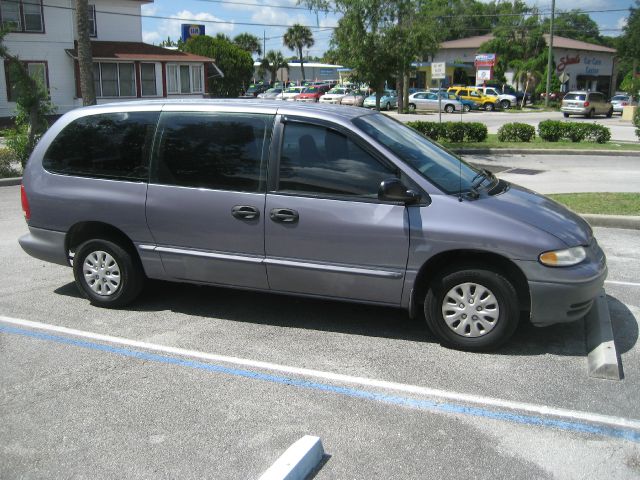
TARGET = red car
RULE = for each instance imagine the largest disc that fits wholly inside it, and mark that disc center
(313, 93)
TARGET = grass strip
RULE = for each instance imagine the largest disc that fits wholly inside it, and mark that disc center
(601, 203)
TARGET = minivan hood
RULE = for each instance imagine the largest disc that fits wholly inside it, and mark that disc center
(541, 212)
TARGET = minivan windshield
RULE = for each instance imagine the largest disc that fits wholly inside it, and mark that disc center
(441, 167)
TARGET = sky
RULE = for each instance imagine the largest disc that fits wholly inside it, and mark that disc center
(237, 13)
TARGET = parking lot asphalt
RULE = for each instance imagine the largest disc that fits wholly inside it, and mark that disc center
(92, 408)
(621, 130)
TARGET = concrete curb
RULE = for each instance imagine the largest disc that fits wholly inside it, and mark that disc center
(7, 182)
(298, 461)
(538, 151)
(603, 360)
(613, 221)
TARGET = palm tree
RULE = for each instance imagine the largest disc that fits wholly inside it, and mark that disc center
(272, 62)
(296, 38)
(248, 42)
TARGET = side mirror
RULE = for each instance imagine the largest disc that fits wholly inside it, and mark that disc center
(394, 191)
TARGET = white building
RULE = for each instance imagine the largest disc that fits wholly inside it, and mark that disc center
(125, 68)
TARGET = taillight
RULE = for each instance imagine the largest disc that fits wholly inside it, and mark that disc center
(586, 104)
(25, 203)
(624, 104)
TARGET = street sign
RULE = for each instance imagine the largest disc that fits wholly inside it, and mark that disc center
(189, 30)
(438, 71)
(485, 60)
(564, 77)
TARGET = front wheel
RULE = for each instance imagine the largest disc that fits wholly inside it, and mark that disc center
(412, 107)
(489, 107)
(505, 104)
(610, 113)
(107, 274)
(449, 109)
(566, 115)
(472, 309)
(466, 108)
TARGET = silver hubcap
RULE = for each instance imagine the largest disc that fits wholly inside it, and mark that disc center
(102, 273)
(470, 310)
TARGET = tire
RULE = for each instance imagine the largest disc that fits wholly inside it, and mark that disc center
(505, 104)
(466, 108)
(610, 113)
(591, 114)
(501, 307)
(566, 115)
(116, 284)
(449, 108)
(388, 106)
(489, 107)
(412, 107)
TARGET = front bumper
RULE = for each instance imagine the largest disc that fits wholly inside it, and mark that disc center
(560, 294)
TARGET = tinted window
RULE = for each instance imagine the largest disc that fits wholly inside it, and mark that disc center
(217, 151)
(463, 93)
(575, 96)
(113, 145)
(316, 159)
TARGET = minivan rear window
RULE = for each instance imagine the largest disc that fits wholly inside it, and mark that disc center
(220, 151)
(575, 96)
(108, 145)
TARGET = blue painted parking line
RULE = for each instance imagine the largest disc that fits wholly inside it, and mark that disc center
(421, 404)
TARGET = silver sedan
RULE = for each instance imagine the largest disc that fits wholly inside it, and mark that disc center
(429, 101)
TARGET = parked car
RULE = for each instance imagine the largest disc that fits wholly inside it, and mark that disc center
(312, 93)
(620, 101)
(388, 100)
(506, 99)
(384, 215)
(334, 95)
(504, 88)
(430, 101)
(586, 103)
(486, 102)
(291, 93)
(270, 94)
(254, 90)
(354, 98)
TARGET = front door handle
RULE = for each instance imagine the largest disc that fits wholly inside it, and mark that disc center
(284, 215)
(245, 212)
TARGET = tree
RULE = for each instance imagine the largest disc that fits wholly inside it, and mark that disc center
(296, 38)
(168, 43)
(32, 104)
(85, 58)
(629, 43)
(249, 43)
(235, 63)
(576, 25)
(272, 62)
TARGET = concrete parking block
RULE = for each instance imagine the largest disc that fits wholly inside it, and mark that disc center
(603, 359)
(298, 461)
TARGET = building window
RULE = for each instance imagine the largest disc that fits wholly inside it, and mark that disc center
(93, 30)
(114, 79)
(184, 79)
(37, 71)
(148, 79)
(22, 15)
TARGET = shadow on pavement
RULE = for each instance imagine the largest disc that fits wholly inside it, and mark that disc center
(624, 323)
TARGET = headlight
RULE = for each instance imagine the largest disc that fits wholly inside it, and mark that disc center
(563, 258)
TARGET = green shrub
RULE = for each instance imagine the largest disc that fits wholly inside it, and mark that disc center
(596, 133)
(455, 132)
(8, 162)
(516, 132)
(551, 130)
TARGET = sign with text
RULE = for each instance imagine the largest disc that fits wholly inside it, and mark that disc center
(485, 60)
(438, 71)
(190, 30)
(483, 74)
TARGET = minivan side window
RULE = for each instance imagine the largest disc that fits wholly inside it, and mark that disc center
(319, 160)
(220, 151)
(108, 145)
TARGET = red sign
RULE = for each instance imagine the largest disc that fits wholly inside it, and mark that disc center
(485, 60)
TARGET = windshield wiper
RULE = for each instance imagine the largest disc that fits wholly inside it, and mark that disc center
(477, 180)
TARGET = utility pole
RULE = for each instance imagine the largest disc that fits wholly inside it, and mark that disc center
(85, 57)
(550, 59)
(264, 43)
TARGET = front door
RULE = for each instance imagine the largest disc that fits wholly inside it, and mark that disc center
(326, 232)
(205, 202)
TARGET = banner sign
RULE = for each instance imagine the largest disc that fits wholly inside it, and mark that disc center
(485, 60)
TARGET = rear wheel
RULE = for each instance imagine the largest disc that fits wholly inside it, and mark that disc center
(591, 114)
(388, 107)
(466, 108)
(610, 113)
(566, 115)
(489, 107)
(449, 109)
(107, 274)
(505, 104)
(472, 309)
(412, 107)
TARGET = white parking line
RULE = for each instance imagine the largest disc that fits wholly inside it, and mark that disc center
(337, 377)
(617, 282)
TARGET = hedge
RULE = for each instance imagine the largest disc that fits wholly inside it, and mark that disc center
(555, 130)
(7, 163)
(456, 132)
(516, 132)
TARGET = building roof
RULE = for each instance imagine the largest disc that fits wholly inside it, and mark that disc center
(137, 51)
(559, 42)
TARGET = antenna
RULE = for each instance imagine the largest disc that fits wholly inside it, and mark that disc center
(460, 180)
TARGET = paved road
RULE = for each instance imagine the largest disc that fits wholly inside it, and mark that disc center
(621, 130)
(92, 408)
(565, 174)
